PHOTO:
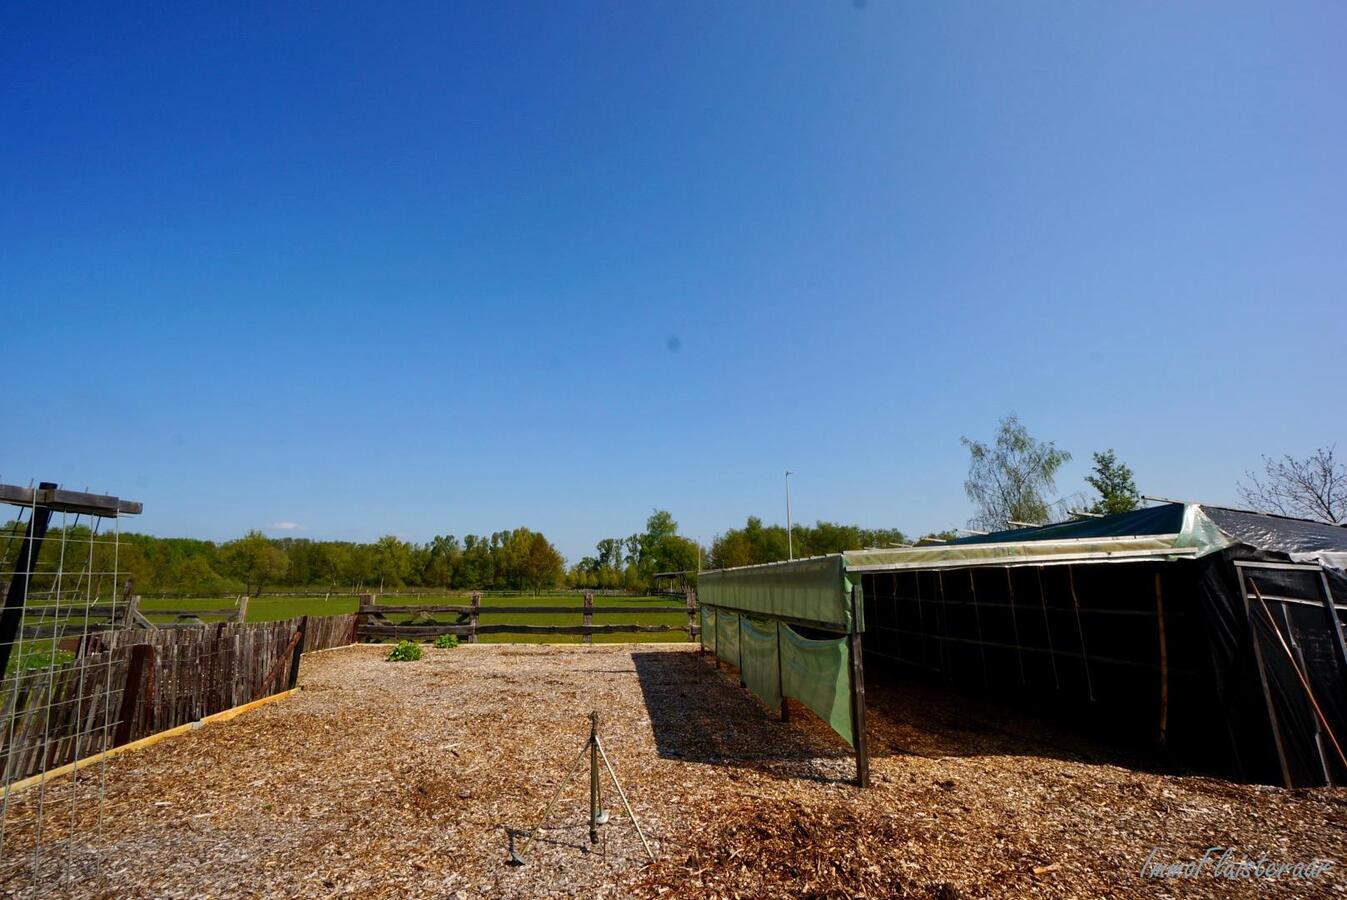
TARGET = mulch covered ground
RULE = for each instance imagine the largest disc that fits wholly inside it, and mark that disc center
(404, 779)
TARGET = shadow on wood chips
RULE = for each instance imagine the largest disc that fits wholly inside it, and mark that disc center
(970, 799)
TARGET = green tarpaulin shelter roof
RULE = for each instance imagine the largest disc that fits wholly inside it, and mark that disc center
(1168, 531)
(813, 591)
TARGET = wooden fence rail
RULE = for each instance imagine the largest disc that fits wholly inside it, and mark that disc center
(372, 622)
(49, 619)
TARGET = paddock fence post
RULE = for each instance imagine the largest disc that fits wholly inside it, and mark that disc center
(138, 674)
(299, 649)
(587, 620)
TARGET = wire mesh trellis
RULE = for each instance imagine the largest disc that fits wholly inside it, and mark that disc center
(60, 694)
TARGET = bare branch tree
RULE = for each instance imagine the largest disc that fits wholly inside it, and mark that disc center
(1310, 488)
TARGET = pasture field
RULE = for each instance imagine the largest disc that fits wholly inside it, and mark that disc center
(663, 611)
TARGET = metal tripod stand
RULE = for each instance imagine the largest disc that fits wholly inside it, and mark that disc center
(597, 815)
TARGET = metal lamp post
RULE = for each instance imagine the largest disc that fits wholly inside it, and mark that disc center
(790, 542)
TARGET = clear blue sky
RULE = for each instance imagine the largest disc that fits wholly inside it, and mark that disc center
(450, 268)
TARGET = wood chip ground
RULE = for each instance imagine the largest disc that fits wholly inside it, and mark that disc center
(402, 780)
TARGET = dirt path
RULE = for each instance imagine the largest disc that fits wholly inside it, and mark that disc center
(400, 780)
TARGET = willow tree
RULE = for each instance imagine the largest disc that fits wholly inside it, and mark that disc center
(1010, 479)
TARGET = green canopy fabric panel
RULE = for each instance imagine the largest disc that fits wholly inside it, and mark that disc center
(760, 671)
(727, 636)
(817, 673)
(708, 627)
(815, 590)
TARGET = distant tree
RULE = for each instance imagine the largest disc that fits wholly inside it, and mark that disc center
(756, 543)
(1311, 488)
(392, 560)
(1009, 480)
(543, 566)
(195, 575)
(255, 561)
(442, 554)
(1117, 491)
(663, 549)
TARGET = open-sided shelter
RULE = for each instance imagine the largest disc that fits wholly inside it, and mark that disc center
(1217, 632)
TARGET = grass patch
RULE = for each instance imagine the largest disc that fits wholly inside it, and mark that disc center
(38, 655)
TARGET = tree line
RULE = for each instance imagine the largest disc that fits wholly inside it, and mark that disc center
(514, 559)
(1011, 481)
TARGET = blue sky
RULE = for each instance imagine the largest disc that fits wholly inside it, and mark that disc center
(449, 268)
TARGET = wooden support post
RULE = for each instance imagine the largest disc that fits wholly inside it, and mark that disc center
(692, 613)
(715, 650)
(130, 612)
(1047, 628)
(1164, 661)
(942, 622)
(1080, 632)
(587, 620)
(1297, 661)
(739, 643)
(24, 563)
(862, 744)
(363, 611)
(298, 651)
(780, 681)
(977, 621)
(1262, 678)
(138, 673)
(242, 615)
(472, 616)
(1015, 627)
(214, 673)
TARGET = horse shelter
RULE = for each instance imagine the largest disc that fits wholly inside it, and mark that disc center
(1214, 634)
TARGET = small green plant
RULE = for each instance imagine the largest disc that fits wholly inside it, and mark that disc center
(405, 651)
(446, 641)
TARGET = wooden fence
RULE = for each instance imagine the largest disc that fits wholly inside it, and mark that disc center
(128, 683)
(72, 620)
(373, 622)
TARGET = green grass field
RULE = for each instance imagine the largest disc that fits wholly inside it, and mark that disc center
(663, 611)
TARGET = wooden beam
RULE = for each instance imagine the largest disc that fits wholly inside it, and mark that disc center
(53, 498)
(285, 654)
